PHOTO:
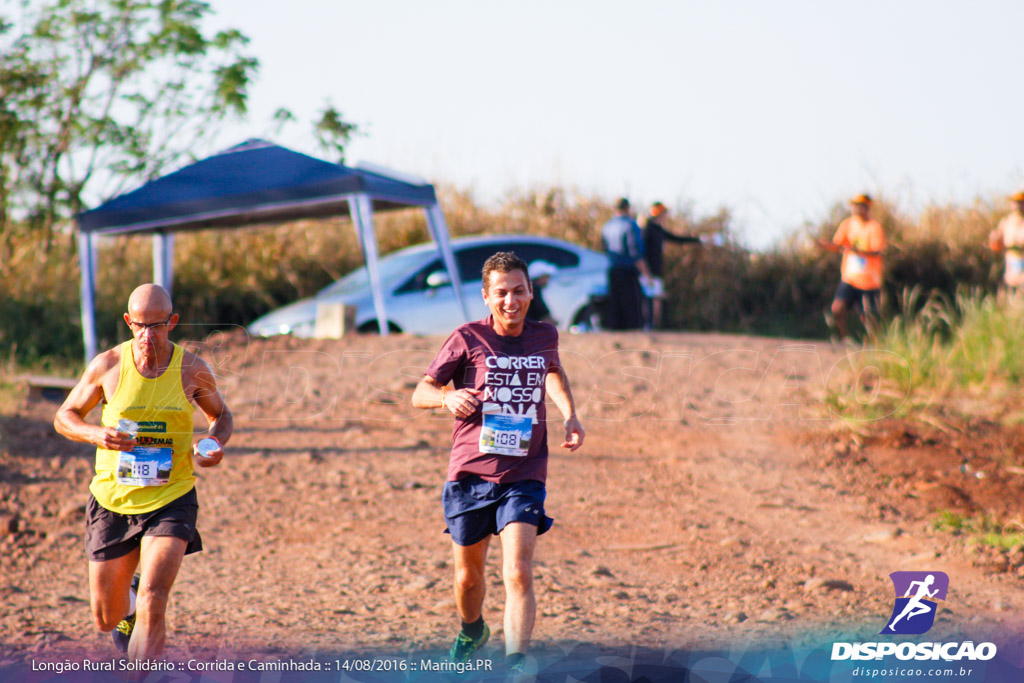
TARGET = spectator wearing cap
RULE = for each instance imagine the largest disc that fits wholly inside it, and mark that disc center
(655, 235)
(540, 276)
(862, 242)
(624, 244)
(1009, 237)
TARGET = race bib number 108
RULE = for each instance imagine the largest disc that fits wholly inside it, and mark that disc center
(506, 435)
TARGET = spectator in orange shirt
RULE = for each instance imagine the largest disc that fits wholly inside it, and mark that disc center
(862, 242)
(1009, 237)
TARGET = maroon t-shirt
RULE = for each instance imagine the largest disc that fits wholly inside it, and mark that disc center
(510, 372)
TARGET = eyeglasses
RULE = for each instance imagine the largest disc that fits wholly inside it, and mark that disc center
(148, 326)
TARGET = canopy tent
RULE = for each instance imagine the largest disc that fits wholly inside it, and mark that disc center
(255, 182)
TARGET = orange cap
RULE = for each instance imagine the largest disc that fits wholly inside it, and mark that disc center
(658, 209)
(861, 199)
(1017, 196)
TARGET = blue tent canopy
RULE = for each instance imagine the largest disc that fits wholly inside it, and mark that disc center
(255, 182)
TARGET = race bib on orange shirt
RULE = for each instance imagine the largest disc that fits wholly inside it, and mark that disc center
(1014, 264)
(856, 264)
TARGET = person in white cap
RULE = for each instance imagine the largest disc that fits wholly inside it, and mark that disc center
(540, 275)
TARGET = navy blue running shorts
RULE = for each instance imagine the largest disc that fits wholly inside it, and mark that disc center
(475, 508)
(864, 299)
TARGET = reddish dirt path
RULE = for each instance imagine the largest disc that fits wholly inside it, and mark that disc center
(716, 500)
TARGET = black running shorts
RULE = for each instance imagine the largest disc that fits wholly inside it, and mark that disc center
(864, 299)
(109, 535)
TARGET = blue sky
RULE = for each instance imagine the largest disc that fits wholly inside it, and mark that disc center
(773, 109)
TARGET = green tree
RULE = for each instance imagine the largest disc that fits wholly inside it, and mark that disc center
(333, 133)
(106, 93)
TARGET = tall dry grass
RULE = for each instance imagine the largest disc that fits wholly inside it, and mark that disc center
(230, 277)
(971, 340)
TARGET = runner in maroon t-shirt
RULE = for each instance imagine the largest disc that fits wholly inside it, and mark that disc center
(502, 368)
(510, 373)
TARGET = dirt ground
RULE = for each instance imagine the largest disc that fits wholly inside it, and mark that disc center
(717, 499)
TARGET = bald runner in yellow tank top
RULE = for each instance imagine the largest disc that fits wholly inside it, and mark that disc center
(159, 469)
(142, 514)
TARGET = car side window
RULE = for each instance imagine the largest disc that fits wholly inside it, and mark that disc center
(561, 258)
(471, 261)
(418, 281)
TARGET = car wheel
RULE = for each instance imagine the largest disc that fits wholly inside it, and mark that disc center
(371, 327)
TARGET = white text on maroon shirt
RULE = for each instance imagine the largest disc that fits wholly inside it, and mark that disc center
(508, 390)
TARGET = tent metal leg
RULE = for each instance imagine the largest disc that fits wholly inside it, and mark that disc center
(439, 231)
(361, 209)
(87, 266)
(163, 259)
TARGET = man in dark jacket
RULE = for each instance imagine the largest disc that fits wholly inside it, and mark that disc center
(655, 235)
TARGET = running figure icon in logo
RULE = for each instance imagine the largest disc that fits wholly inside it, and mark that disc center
(917, 594)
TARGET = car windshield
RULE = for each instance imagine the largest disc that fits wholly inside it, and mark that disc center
(391, 266)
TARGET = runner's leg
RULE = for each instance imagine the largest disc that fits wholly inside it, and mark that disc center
(160, 561)
(470, 586)
(109, 581)
(839, 317)
(518, 542)
(870, 314)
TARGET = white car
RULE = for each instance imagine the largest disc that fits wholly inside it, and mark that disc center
(419, 297)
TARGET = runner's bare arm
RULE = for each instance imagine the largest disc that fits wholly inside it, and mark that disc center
(430, 393)
(995, 239)
(87, 394)
(202, 388)
(557, 386)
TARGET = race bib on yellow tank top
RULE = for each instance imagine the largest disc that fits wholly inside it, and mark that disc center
(159, 469)
(143, 466)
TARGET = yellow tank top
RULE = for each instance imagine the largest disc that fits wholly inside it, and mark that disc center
(159, 469)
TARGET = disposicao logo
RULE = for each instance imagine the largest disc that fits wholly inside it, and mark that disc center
(917, 596)
(913, 613)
